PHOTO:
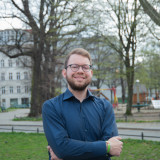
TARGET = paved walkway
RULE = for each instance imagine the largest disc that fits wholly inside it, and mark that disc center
(7, 125)
(6, 118)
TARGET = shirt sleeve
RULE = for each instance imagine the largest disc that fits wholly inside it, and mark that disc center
(109, 127)
(63, 146)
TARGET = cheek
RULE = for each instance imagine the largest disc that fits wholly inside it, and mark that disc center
(90, 75)
(68, 74)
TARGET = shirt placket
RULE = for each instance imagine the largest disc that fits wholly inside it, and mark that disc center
(85, 128)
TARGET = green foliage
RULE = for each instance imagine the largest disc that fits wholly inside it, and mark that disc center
(58, 91)
(27, 119)
(148, 70)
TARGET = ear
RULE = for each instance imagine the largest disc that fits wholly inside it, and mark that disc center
(64, 73)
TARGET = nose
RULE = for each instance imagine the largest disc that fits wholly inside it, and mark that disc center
(80, 69)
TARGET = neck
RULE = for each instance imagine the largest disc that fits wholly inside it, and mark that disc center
(80, 95)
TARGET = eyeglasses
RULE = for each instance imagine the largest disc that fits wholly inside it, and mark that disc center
(75, 67)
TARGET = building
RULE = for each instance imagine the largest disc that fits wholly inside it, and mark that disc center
(15, 75)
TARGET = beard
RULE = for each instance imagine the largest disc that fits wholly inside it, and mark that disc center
(77, 87)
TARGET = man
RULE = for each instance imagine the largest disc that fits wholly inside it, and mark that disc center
(78, 125)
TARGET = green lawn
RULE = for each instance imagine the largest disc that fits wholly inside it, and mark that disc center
(139, 150)
(27, 146)
(23, 146)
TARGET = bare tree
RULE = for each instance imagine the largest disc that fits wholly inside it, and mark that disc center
(52, 25)
(123, 17)
(151, 11)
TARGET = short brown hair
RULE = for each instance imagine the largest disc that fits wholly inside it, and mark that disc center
(78, 51)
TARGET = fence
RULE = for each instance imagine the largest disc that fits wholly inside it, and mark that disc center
(39, 129)
(152, 117)
(22, 128)
(142, 136)
(142, 133)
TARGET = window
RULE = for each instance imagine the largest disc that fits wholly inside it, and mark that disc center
(17, 62)
(18, 76)
(3, 102)
(11, 89)
(2, 76)
(2, 63)
(25, 75)
(25, 101)
(10, 76)
(25, 62)
(3, 90)
(13, 102)
(18, 89)
(26, 89)
(10, 63)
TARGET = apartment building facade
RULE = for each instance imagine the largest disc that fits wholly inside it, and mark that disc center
(15, 76)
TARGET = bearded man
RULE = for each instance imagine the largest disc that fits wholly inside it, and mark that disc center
(78, 125)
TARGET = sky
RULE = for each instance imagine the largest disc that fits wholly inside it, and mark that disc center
(10, 24)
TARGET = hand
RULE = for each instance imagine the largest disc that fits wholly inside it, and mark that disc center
(116, 146)
(53, 156)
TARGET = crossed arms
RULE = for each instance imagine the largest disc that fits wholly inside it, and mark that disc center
(65, 147)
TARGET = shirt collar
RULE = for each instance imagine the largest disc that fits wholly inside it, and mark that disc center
(68, 94)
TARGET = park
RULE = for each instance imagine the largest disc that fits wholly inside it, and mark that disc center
(20, 142)
(123, 40)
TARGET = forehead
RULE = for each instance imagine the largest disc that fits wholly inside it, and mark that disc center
(78, 59)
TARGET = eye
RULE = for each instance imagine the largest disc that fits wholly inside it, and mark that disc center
(86, 67)
(74, 66)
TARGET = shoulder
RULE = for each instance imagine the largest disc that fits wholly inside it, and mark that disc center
(53, 103)
(103, 102)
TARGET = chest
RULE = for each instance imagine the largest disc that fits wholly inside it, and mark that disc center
(83, 121)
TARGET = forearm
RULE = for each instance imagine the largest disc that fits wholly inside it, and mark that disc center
(68, 148)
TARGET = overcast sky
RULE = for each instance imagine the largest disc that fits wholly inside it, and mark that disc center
(10, 24)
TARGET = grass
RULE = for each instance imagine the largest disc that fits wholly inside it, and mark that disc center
(118, 121)
(31, 146)
(136, 121)
(27, 119)
(139, 150)
(23, 146)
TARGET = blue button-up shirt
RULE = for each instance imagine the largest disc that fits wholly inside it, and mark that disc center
(78, 130)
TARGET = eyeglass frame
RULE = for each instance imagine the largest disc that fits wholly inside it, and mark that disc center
(90, 67)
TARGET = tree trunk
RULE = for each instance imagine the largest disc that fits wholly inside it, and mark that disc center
(129, 102)
(123, 90)
(36, 100)
(130, 80)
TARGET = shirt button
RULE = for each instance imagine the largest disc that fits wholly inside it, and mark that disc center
(86, 130)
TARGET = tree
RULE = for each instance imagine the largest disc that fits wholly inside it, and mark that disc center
(150, 8)
(124, 18)
(103, 59)
(147, 71)
(52, 25)
(151, 11)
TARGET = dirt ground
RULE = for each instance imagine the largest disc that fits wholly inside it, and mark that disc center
(146, 113)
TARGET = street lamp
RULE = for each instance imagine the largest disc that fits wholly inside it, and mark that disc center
(138, 101)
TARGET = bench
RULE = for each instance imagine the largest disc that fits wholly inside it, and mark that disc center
(139, 106)
(3, 109)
